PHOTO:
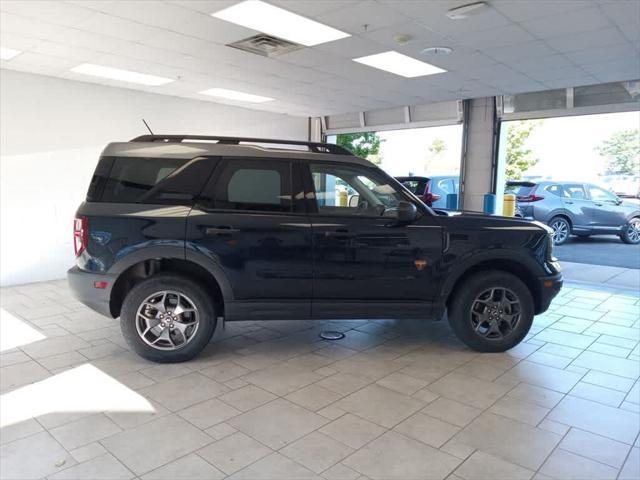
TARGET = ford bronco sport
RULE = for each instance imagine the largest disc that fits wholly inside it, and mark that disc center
(179, 232)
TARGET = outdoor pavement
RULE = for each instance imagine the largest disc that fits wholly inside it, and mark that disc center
(600, 275)
(599, 250)
(270, 400)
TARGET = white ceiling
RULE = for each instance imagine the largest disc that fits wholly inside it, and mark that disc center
(515, 46)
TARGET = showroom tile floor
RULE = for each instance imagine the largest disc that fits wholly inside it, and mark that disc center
(270, 400)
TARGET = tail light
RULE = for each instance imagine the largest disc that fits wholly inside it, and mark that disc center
(80, 234)
(532, 197)
(429, 197)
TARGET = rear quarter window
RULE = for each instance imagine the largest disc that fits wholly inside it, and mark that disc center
(172, 181)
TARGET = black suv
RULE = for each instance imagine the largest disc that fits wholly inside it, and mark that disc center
(180, 232)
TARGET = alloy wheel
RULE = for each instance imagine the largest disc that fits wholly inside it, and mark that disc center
(495, 313)
(167, 320)
(560, 231)
(633, 231)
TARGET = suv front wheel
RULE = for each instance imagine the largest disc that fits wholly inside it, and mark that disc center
(167, 318)
(492, 311)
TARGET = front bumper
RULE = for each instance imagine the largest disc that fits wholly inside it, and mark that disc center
(548, 287)
(82, 286)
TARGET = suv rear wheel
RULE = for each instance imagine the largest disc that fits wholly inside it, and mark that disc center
(167, 318)
(631, 232)
(491, 311)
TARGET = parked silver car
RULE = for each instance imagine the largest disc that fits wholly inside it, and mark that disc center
(577, 208)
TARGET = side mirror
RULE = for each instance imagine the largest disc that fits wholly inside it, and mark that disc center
(354, 201)
(407, 212)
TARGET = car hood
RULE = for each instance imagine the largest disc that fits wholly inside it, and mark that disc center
(483, 221)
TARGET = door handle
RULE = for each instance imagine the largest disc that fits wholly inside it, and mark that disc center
(220, 230)
(567, 201)
(598, 204)
(339, 234)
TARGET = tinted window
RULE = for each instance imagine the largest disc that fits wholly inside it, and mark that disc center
(598, 193)
(345, 190)
(154, 180)
(521, 190)
(575, 191)
(415, 186)
(557, 190)
(256, 185)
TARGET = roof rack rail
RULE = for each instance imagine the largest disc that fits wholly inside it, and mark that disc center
(316, 147)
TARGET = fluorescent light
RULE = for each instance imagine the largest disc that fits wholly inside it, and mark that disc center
(279, 22)
(121, 75)
(399, 64)
(464, 11)
(235, 95)
(8, 53)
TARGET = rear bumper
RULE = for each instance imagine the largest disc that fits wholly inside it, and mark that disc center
(549, 287)
(81, 284)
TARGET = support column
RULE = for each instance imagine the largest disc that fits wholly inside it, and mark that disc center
(315, 129)
(479, 166)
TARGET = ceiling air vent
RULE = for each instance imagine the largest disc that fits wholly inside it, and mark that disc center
(265, 45)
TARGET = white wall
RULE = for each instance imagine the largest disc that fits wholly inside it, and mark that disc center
(51, 134)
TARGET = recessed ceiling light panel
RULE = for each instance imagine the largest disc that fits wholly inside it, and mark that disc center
(399, 64)
(465, 11)
(279, 22)
(235, 95)
(8, 53)
(120, 75)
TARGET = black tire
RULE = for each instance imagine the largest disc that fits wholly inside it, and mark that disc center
(185, 286)
(460, 316)
(627, 234)
(560, 223)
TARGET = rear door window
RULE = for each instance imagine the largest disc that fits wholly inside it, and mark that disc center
(170, 181)
(575, 191)
(262, 185)
(556, 190)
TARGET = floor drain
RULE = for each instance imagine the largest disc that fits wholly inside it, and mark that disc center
(331, 335)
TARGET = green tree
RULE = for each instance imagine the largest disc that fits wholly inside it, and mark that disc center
(437, 147)
(360, 144)
(435, 156)
(622, 151)
(519, 157)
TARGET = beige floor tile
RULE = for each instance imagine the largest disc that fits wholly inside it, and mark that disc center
(156, 443)
(234, 452)
(88, 452)
(17, 459)
(310, 361)
(469, 390)
(343, 383)
(380, 405)
(451, 411)
(538, 395)
(164, 372)
(429, 430)
(363, 366)
(481, 370)
(340, 472)
(595, 447)
(54, 346)
(555, 427)
(220, 431)
(402, 383)
(83, 431)
(520, 410)
(631, 466)
(278, 423)
(457, 449)
(569, 339)
(541, 376)
(247, 398)
(313, 397)
(275, 467)
(129, 420)
(352, 430)
(19, 430)
(104, 467)
(510, 440)
(208, 413)
(607, 380)
(607, 364)
(282, 379)
(316, 451)
(549, 359)
(331, 412)
(394, 456)
(191, 467)
(568, 466)
(482, 466)
(598, 394)
(179, 393)
(224, 371)
(20, 374)
(597, 418)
